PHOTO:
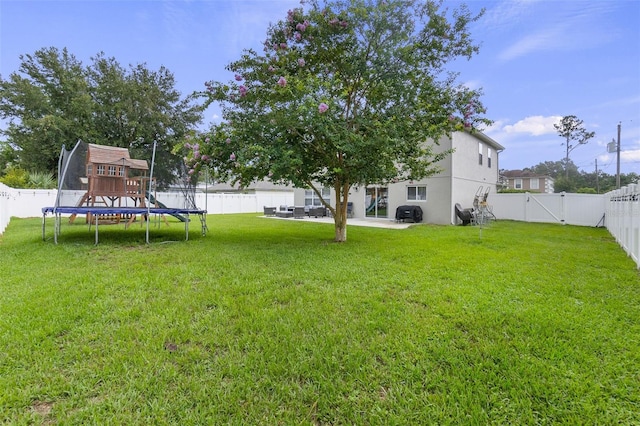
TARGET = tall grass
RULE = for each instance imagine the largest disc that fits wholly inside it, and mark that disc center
(266, 321)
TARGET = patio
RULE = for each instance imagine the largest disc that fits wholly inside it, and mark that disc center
(372, 223)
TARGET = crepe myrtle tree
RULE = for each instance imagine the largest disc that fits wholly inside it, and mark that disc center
(344, 93)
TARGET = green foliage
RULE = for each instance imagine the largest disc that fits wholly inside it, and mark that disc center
(572, 130)
(53, 100)
(16, 177)
(555, 169)
(41, 180)
(8, 157)
(265, 321)
(512, 191)
(586, 191)
(345, 93)
(563, 184)
(579, 180)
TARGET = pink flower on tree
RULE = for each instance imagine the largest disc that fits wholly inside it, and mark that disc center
(322, 108)
(271, 69)
(228, 141)
(243, 90)
(301, 62)
(297, 36)
(282, 82)
(238, 77)
(232, 157)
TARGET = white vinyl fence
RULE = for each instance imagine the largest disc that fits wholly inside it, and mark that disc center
(5, 194)
(29, 202)
(623, 219)
(563, 208)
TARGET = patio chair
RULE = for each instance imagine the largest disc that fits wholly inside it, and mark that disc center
(298, 212)
(269, 211)
(317, 212)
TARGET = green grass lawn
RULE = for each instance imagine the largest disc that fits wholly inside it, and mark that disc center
(267, 321)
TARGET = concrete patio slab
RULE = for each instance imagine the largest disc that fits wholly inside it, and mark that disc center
(372, 223)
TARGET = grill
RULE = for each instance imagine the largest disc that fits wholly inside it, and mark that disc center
(413, 213)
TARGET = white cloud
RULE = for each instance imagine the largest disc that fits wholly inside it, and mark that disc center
(630, 156)
(543, 40)
(535, 125)
(473, 84)
(507, 14)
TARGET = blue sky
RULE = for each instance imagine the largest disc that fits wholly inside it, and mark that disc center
(538, 61)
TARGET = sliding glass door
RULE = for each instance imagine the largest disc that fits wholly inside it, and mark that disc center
(376, 202)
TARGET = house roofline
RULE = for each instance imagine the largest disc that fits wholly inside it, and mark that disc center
(486, 139)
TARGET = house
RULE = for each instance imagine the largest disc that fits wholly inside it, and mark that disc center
(527, 181)
(472, 167)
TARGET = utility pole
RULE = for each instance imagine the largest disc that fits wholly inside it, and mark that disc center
(618, 151)
(597, 182)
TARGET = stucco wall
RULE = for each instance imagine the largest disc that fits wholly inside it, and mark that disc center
(461, 176)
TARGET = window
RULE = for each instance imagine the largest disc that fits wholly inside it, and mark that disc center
(100, 169)
(480, 153)
(534, 183)
(417, 193)
(89, 169)
(312, 199)
(120, 171)
(112, 170)
(517, 184)
(489, 157)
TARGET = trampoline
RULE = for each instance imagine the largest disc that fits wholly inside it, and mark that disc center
(97, 211)
(105, 183)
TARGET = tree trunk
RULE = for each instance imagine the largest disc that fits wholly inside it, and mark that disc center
(340, 216)
(341, 227)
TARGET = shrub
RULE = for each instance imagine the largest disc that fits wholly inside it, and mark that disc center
(586, 191)
(16, 178)
(41, 180)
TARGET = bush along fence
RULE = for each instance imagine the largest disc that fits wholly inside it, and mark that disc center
(623, 219)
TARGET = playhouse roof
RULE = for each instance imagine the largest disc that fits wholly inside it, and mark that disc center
(103, 154)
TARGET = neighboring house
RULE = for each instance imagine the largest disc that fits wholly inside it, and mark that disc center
(472, 168)
(527, 181)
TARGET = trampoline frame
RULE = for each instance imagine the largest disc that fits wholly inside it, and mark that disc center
(96, 211)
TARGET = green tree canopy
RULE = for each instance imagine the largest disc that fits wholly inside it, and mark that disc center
(571, 128)
(53, 100)
(344, 93)
(580, 180)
